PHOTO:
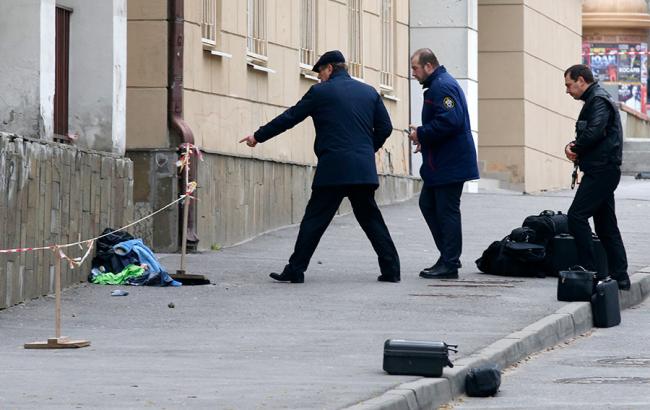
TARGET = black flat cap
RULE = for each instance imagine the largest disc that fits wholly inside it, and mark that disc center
(330, 57)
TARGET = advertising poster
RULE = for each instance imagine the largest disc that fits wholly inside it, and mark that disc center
(624, 64)
(603, 60)
(630, 95)
(629, 62)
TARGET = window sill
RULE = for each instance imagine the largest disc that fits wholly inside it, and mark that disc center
(256, 58)
(390, 97)
(388, 93)
(220, 54)
(260, 68)
(208, 44)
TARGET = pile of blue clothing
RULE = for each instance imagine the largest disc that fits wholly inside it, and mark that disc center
(117, 250)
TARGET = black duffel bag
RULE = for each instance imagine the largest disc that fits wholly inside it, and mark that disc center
(511, 258)
(575, 284)
(546, 225)
(482, 381)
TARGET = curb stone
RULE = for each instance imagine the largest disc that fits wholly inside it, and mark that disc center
(571, 320)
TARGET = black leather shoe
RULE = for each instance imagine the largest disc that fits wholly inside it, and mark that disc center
(430, 268)
(384, 278)
(436, 266)
(443, 272)
(288, 277)
(624, 284)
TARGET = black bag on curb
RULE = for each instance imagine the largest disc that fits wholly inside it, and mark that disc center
(546, 225)
(482, 381)
(604, 304)
(561, 253)
(575, 284)
(511, 258)
(416, 358)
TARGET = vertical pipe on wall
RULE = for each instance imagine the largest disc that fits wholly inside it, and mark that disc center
(176, 121)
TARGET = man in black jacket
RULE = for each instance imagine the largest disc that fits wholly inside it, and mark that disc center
(351, 124)
(598, 151)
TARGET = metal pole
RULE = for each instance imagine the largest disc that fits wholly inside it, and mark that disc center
(186, 209)
(57, 289)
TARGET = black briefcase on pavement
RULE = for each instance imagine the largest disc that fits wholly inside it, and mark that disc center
(575, 284)
(561, 253)
(604, 304)
(416, 358)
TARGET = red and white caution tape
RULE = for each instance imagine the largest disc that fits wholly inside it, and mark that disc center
(74, 262)
(87, 241)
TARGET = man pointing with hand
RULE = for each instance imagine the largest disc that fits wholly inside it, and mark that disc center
(351, 125)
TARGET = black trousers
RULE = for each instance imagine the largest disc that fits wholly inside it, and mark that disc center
(595, 198)
(321, 208)
(440, 206)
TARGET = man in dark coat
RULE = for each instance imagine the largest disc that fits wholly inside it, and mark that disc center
(598, 151)
(351, 125)
(448, 159)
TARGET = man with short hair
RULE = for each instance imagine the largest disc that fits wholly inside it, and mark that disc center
(448, 159)
(598, 151)
(351, 124)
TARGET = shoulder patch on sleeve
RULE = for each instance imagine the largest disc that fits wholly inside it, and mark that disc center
(448, 102)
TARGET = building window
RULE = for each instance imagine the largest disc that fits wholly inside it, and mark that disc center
(355, 15)
(308, 33)
(62, 73)
(256, 41)
(386, 79)
(209, 23)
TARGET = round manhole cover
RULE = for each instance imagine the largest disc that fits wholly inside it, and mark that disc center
(605, 380)
(625, 361)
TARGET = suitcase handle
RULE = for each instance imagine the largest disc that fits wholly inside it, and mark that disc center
(453, 348)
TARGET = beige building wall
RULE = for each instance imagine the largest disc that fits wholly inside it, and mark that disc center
(146, 80)
(225, 99)
(242, 191)
(526, 117)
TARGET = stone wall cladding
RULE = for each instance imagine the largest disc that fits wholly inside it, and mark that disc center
(54, 194)
(240, 198)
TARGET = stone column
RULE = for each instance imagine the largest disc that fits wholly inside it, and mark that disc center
(449, 28)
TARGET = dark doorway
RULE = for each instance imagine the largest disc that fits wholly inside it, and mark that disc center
(62, 69)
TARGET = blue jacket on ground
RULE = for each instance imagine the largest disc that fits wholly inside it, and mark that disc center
(145, 255)
(448, 152)
(351, 124)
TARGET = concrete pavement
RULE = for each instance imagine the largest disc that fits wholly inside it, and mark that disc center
(246, 342)
(604, 369)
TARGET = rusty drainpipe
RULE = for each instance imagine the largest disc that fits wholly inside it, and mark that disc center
(175, 104)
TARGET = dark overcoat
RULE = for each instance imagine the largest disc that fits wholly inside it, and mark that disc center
(351, 124)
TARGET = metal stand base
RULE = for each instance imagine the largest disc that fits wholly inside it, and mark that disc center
(190, 279)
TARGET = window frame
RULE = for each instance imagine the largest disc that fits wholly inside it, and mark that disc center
(355, 39)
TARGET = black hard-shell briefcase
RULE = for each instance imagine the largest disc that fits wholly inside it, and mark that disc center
(604, 304)
(562, 253)
(416, 358)
(575, 284)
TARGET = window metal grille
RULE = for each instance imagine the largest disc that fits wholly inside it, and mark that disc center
(355, 16)
(209, 22)
(256, 42)
(386, 79)
(308, 32)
